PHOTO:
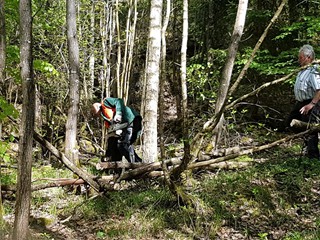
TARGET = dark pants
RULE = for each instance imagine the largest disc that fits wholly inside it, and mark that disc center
(312, 140)
(122, 146)
(112, 153)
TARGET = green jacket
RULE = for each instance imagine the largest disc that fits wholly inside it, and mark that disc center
(128, 114)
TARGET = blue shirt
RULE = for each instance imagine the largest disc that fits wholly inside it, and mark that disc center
(307, 82)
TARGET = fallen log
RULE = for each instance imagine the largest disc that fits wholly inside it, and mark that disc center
(81, 173)
(304, 125)
(54, 183)
(248, 151)
(141, 170)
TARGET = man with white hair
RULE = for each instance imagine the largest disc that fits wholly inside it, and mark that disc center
(307, 95)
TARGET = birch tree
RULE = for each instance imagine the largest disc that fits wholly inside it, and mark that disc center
(71, 150)
(23, 200)
(150, 136)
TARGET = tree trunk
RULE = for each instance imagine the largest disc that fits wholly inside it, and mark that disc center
(23, 201)
(163, 77)
(263, 36)
(150, 151)
(118, 65)
(227, 72)
(2, 78)
(71, 150)
(90, 82)
(183, 74)
(130, 40)
(217, 121)
(2, 42)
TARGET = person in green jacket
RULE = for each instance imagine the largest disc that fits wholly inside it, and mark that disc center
(126, 122)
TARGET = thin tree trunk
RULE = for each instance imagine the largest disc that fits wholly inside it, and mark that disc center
(163, 76)
(227, 72)
(185, 128)
(225, 78)
(23, 201)
(71, 149)
(118, 69)
(92, 53)
(263, 36)
(131, 41)
(2, 78)
(123, 79)
(2, 42)
(150, 137)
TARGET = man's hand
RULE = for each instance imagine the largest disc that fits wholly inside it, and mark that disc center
(305, 109)
(117, 118)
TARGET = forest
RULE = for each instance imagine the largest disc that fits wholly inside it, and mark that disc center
(213, 81)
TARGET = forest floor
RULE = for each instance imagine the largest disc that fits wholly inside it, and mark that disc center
(276, 197)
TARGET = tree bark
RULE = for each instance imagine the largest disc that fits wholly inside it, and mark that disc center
(176, 174)
(150, 135)
(2, 78)
(71, 149)
(23, 201)
(227, 72)
(211, 124)
(263, 36)
(304, 125)
(88, 89)
(217, 122)
(2, 42)
(163, 77)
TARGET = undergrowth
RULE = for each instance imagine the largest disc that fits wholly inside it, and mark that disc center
(275, 199)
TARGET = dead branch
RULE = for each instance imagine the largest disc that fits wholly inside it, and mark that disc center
(248, 151)
(54, 183)
(81, 173)
(59, 183)
(263, 86)
(303, 125)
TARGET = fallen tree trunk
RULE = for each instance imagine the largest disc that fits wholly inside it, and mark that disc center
(139, 170)
(248, 151)
(81, 173)
(54, 183)
(304, 125)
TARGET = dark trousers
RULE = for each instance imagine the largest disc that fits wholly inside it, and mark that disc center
(123, 145)
(312, 140)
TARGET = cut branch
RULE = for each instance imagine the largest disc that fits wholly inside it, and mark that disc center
(303, 125)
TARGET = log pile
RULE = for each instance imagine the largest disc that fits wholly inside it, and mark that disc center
(129, 171)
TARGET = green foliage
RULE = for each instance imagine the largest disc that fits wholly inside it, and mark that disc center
(7, 109)
(203, 77)
(307, 27)
(266, 64)
(12, 61)
(45, 68)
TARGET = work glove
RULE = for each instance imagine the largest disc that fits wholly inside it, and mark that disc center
(119, 132)
(117, 118)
